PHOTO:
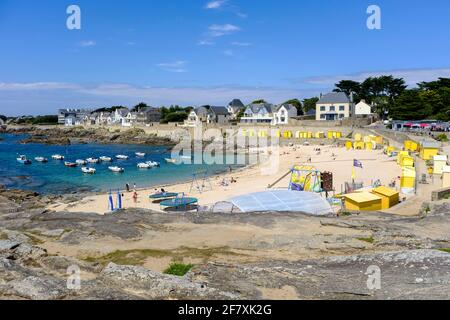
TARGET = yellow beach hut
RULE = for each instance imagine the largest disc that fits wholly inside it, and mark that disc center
(411, 146)
(439, 162)
(349, 145)
(320, 135)
(359, 145)
(408, 180)
(369, 146)
(362, 201)
(358, 137)
(389, 197)
(446, 177)
(400, 155)
(406, 161)
(429, 149)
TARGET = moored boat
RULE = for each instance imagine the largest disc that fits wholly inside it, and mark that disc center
(92, 160)
(153, 163)
(116, 169)
(173, 161)
(140, 154)
(57, 157)
(23, 160)
(122, 157)
(144, 165)
(88, 170)
(41, 159)
(105, 159)
(81, 162)
(70, 164)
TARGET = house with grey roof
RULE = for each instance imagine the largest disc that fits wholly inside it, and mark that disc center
(284, 113)
(73, 117)
(207, 115)
(334, 106)
(259, 113)
(235, 107)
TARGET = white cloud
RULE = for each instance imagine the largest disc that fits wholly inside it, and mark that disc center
(411, 76)
(218, 30)
(46, 98)
(241, 44)
(215, 4)
(205, 43)
(176, 66)
(89, 43)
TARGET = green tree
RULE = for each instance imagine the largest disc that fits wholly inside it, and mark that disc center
(349, 87)
(139, 107)
(259, 101)
(310, 104)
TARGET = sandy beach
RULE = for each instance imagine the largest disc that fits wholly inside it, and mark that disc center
(253, 178)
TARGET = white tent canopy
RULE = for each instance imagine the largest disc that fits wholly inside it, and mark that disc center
(277, 201)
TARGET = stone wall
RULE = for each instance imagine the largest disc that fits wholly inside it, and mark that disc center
(440, 194)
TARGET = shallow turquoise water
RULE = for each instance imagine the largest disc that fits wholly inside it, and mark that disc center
(54, 177)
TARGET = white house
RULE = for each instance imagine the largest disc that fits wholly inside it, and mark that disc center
(119, 115)
(363, 109)
(283, 114)
(259, 113)
(334, 106)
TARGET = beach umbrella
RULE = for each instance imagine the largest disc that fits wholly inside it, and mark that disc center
(111, 202)
(408, 125)
(424, 125)
(119, 200)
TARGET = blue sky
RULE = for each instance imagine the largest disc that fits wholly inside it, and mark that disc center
(209, 52)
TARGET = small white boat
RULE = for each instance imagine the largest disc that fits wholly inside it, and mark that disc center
(88, 170)
(41, 159)
(153, 163)
(105, 159)
(122, 157)
(92, 160)
(57, 157)
(81, 162)
(171, 160)
(23, 160)
(70, 164)
(116, 169)
(144, 166)
(140, 154)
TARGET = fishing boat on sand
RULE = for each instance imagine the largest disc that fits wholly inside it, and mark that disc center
(41, 159)
(116, 169)
(70, 164)
(105, 159)
(88, 170)
(23, 160)
(57, 157)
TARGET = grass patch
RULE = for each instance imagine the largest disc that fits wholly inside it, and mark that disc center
(178, 269)
(345, 214)
(138, 257)
(3, 236)
(368, 240)
(447, 250)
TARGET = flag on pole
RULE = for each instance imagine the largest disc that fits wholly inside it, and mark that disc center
(353, 174)
(357, 164)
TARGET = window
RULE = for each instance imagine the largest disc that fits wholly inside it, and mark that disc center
(332, 108)
(322, 116)
(341, 108)
(322, 108)
(341, 116)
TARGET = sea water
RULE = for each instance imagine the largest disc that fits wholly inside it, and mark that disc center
(54, 178)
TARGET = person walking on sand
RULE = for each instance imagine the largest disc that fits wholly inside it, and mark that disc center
(134, 186)
(127, 186)
(135, 197)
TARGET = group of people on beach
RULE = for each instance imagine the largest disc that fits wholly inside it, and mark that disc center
(135, 194)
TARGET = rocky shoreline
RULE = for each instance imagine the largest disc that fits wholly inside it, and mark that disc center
(67, 136)
(410, 252)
